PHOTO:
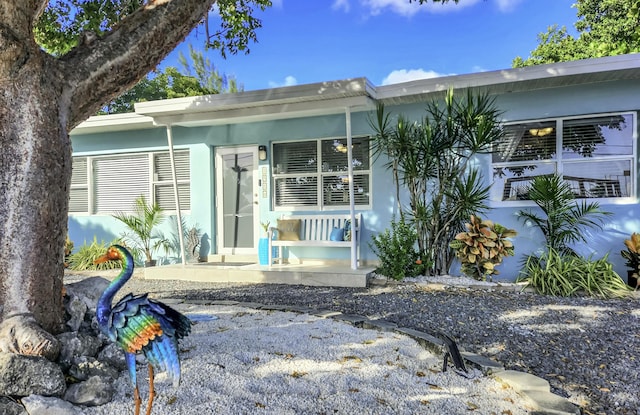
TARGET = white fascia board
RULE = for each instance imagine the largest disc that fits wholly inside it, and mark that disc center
(267, 112)
(113, 122)
(291, 96)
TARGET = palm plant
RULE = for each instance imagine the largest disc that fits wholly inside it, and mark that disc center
(432, 160)
(564, 218)
(143, 235)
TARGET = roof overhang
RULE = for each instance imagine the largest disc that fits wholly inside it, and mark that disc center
(268, 104)
(113, 122)
(357, 94)
(587, 71)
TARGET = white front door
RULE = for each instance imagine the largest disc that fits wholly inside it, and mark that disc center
(237, 207)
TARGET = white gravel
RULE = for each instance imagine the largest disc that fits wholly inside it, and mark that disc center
(259, 362)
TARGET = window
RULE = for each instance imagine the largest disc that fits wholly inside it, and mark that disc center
(163, 181)
(314, 174)
(107, 184)
(79, 194)
(595, 155)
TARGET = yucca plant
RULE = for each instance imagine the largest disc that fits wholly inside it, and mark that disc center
(433, 161)
(482, 247)
(564, 218)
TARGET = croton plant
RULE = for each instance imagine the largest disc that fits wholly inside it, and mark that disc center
(482, 247)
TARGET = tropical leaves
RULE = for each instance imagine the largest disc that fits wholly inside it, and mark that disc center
(564, 219)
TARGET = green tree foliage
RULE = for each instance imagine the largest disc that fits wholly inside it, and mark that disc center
(66, 23)
(605, 28)
(197, 77)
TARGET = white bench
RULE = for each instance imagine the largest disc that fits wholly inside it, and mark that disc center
(315, 230)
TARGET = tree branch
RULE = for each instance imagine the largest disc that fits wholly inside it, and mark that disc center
(100, 69)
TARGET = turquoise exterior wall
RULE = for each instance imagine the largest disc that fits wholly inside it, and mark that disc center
(545, 103)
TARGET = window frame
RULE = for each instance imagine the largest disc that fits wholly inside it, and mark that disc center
(560, 161)
(151, 182)
(319, 174)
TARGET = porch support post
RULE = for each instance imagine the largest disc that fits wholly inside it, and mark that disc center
(176, 195)
(352, 208)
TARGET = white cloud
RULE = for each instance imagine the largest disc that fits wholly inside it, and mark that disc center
(404, 75)
(276, 4)
(506, 6)
(288, 81)
(341, 5)
(404, 8)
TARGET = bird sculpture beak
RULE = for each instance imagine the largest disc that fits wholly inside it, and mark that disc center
(103, 258)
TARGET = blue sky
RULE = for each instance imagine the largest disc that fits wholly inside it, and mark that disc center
(386, 41)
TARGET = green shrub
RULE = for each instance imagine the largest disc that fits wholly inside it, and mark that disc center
(564, 219)
(82, 260)
(482, 247)
(396, 251)
(553, 273)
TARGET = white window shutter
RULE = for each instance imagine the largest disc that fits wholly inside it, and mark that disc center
(119, 181)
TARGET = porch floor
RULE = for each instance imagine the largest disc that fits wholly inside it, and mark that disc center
(312, 274)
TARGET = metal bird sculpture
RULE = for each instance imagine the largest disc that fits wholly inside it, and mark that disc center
(139, 324)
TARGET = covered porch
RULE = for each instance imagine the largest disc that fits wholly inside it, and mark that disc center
(247, 270)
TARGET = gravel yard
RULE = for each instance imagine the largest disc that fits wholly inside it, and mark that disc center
(585, 347)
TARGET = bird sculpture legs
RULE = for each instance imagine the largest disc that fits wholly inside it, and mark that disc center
(152, 390)
(152, 394)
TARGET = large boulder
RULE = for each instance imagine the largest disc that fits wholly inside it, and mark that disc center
(44, 405)
(94, 391)
(76, 344)
(88, 291)
(30, 375)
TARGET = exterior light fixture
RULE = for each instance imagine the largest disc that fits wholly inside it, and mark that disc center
(541, 132)
(262, 152)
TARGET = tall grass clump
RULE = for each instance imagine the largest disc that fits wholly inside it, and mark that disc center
(82, 260)
(565, 275)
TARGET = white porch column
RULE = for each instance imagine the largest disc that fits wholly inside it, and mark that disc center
(352, 208)
(176, 195)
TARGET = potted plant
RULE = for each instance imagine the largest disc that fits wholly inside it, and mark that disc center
(482, 247)
(263, 245)
(143, 236)
(632, 256)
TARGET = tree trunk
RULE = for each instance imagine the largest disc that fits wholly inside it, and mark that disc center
(41, 99)
(35, 173)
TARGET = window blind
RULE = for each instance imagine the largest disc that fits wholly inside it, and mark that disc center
(79, 192)
(119, 181)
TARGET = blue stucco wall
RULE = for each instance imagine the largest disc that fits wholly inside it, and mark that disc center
(544, 103)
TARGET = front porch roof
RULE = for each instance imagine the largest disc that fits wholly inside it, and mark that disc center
(358, 94)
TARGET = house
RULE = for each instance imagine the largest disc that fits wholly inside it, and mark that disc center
(246, 158)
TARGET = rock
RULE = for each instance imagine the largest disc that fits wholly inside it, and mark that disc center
(30, 375)
(21, 334)
(76, 344)
(10, 407)
(88, 291)
(76, 309)
(92, 392)
(84, 367)
(113, 355)
(43, 405)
